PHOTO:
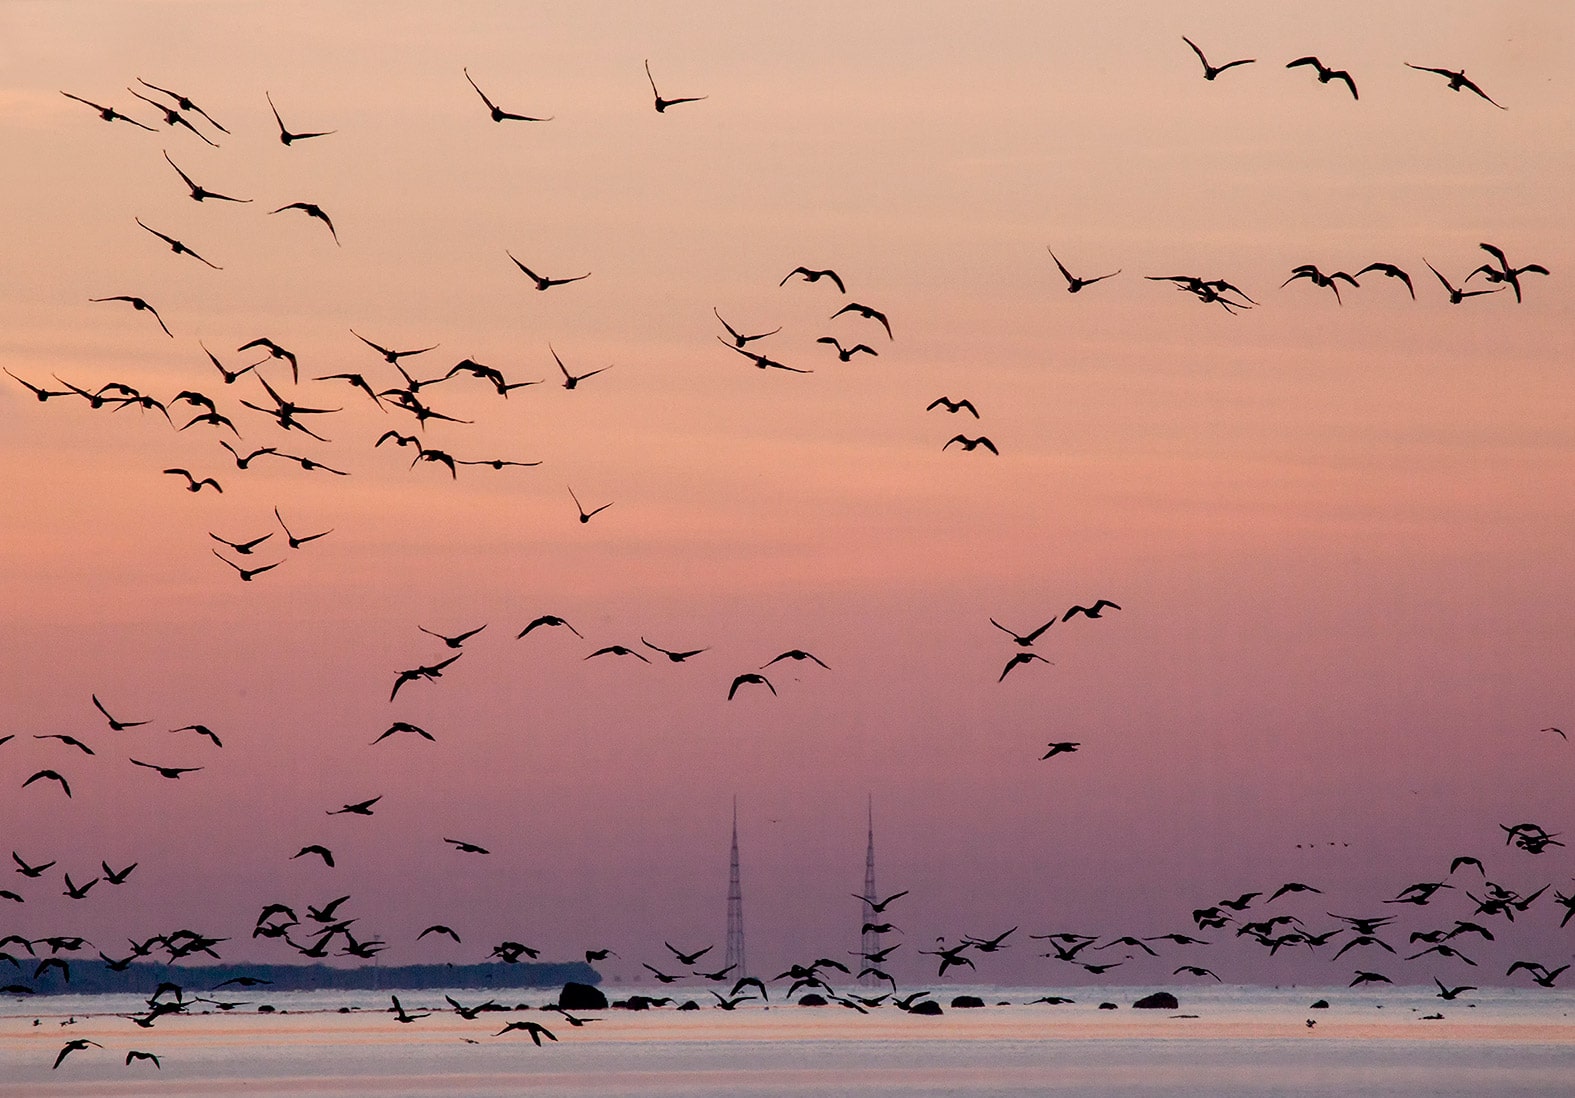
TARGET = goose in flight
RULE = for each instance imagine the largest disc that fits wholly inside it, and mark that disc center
(176, 246)
(867, 313)
(675, 657)
(585, 516)
(1456, 296)
(845, 354)
(972, 443)
(953, 406)
(549, 620)
(1389, 270)
(1018, 660)
(571, 381)
(184, 103)
(1326, 74)
(498, 114)
(815, 276)
(794, 654)
(171, 772)
(311, 209)
(749, 677)
(114, 725)
(662, 105)
(142, 306)
(108, 114)
(1023, 640)
(739, 338)
(1457, 80)
(541, 281)
(1211, 71)
(286, 137)
(455, 641)
(1504, 273)
(1073, 283)
(246, 574)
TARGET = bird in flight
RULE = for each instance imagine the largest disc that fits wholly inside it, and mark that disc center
(953, 406)
(389, 356)
(536, 1030)
(184, 103)
(360, 808)
(316, 848)
(295, 541)
(867, 313)
(1063, 747)
(44, 394)
(1457, 80)
(1023, 639)
(115, 726)
(49, 775)
(1211, 71)
(815, 276)
(542, 282)
(762, 361)
(793, 654)
(1456, 296)
(467, 848)
(747, 678)
(972, 443)
(1094, 611)
(1018, 660)
(176, 246)
(285, 136)
(1326, 74)
(454, 641)
(617, 650)
(75, 1045)
(200, 193)
(663, 104)
(1318, 278)
(274, 351)
(434, 671)
(571, 381)
(675, 657)
(108, 114)
(1504, 273)
(498, 113)
(242, 547)
(846, 354)
(1389, 270)
(172, 116)
(140, 305)
(138, 1054)
(311, 209)
(1073, 283)
(171, 772)
(245, 573)
(405, 726)
(549, 620)
(878, 906)
(585, 516)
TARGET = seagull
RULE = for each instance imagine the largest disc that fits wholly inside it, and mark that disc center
(867, 313)
(1211, 71)
(814, 276)
(585, 516)
(1023, 639)
(1457, 80)
(285, 136)
(1326, 74)
(542, 282)
(311, 209)
(498, 114)
(140, 305)
(953, 406)
(662, 105)
(972, 443)
(1073, 283)
(746, 678)
(176, 246)
(1019, 659)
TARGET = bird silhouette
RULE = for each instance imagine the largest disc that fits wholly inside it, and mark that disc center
(1073, 283)
(845, 354)
(536, 1030)
(674, 657)
(585, 516)
(140, 305)
(617, 650)
(49, 775)
(953, 406)
(1389, 270)
(467, 848)
(400, 1013)
(545, 283)
(43, 394)
(74, 1045)
(739, 338)
(1504, 273)
(173, 117)
(663, 104)
(1457, 296)
(571, 381)
(1326, 74)
(498, 114)
(109, 114)
(454, 641)
(814, 276)
(171, 772)
(972, 443)
(1017, 661)
(867, 313)
(1094, 611)
(76, 891)
(1318, 278)
(360, 808)
(318, 849)
(762, 361)
(274, 351)
(1060, 748)
(428, 672)
(138, 1054)
(69, 741)
(242, 547)
(286, 137)
(296, 541)
(311, 209)
(176, 246)
(748, 678)
(877, 907)
(1457, 80)
(793, 654)
(1023, 639)
(184, 103)
(115, 725)
(1211, 71)
(549, 620)
(246, 574)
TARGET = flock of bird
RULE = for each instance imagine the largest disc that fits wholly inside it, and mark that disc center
(272, 390)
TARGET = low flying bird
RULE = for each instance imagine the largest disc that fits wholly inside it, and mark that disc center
(536, 1030)
(171, 772)
(108, 114)
(1073, 283)
(1457, 80)
(184, 103)
(401, 1015)
(1291, 886)
(311, 209)
(1023, 639)
(548, 620)
(571, 381)
(114, 725)
(246, 574)
(1318, 278)
(663, 104)
(295, 541)
(739, 338)
(286, 137)
(470, 1014)
(1018, 660)
(1370, 978)
(176, 246)
(813, 276)
(1062, 747)
(173, 117)
(1389, 270)
(845, 354)
(454, 641)
(762, 361)
(75, 1045)
(675, 657)
(1195, 971)
(1326, 74)
(953, 406)
(867, 313)
(1211, 71)
(498, 114)
(1100, 605)
(1456, 296)
(1449, 993)
(544, 283)
(360, 808)
(467, 848)
(439, 928)
(749, 677)
(793, 654)
(688, 959)
(138, 1054)
(585, 516)
(316, 848)
(1504, 273)
(140, 305)
(972, 443)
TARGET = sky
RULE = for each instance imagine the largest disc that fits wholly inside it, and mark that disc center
(1337, 530)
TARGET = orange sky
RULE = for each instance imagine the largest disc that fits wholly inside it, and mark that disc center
(1338, 532)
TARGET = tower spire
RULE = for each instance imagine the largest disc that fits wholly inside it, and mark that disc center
(869, 941)
(735, 906)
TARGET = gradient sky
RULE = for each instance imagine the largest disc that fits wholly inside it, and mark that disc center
(1340, 535)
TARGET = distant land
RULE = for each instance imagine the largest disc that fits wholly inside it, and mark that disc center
(96, 978)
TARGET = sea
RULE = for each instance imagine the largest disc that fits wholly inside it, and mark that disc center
(1221, 1040)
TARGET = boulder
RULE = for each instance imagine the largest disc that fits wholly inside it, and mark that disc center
(1108, 1006)
(929, 1006)
(575, 996)
(811, 999)
(1160, 1000)
(1321, 1004)
(963, 1002)
(688, 1004)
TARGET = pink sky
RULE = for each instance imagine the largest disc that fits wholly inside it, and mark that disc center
(1340, 534)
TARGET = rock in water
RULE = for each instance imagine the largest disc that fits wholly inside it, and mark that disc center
(963, 1001)
(581, 997)
(929, 1006)
(1160, 1000)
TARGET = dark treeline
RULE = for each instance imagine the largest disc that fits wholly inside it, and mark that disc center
(96, 978)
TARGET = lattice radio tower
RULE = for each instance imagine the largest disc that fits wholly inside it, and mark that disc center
(869, 940)
(735, 908)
